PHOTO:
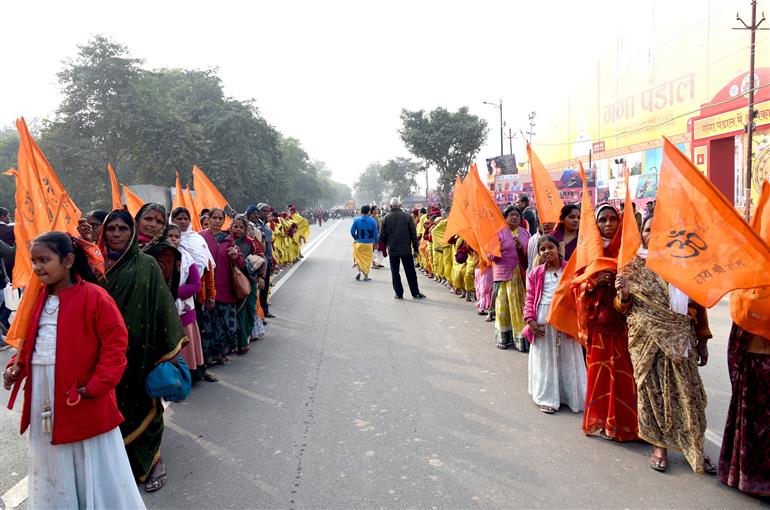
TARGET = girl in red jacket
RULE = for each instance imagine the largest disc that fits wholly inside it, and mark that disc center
(73, 357)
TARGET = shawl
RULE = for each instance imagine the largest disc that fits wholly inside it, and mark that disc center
(652, 324)
(155, 332)
(196, 246)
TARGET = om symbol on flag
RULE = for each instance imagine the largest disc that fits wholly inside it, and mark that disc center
(689, 243)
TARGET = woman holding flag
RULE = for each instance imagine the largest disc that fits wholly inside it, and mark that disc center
(667, 342)
(509, 283)
(610, 406)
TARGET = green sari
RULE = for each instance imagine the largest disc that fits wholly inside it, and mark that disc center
(155, 334)
(247, 311)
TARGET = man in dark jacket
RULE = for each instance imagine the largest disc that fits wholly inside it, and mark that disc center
(399, 234)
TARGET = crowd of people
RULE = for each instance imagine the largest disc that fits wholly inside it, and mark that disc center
(129, 293)
(633, 370)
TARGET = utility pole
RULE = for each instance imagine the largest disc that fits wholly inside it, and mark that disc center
(510, 137)
(531, 133)
(750, 122)
(499, 106)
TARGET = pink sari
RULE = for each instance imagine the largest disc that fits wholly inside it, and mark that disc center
(484, 282)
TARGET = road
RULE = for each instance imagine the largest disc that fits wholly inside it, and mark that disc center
(356, 400)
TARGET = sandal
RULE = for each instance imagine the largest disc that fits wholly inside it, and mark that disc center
(224, 361)
(659, 464)
(603, 434)
(155, 483)
(501, 346)
(208, 376)
(547, 409)
(709, 467)
(242, 351)
(490, 318)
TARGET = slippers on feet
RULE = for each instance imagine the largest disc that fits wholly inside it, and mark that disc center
(659, 464)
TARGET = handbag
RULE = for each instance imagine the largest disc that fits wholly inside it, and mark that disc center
(170, 381)
(11, 296)
(241, 283)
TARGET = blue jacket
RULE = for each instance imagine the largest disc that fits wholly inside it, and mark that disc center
(364, 230)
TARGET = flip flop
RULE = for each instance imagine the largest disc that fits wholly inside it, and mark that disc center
(709, 467)
(659, 464)
(547, 409)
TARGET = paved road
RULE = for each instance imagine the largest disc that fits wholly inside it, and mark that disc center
(357, 400)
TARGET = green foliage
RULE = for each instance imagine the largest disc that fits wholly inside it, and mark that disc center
(150, 123)
(395, 178)
(447, 140)
(9, 147)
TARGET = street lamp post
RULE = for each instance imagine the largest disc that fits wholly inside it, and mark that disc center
(499, 106)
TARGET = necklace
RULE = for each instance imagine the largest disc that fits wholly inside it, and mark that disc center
(56, 308)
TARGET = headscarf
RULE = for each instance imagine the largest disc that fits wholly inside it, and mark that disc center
(611, 246)
(160, 243)
(251, 209)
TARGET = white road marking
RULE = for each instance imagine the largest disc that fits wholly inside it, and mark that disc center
(714, 438)
(251, 394)
(308, 251)
(16, 495)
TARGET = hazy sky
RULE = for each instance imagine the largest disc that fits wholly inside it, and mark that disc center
(335, 74)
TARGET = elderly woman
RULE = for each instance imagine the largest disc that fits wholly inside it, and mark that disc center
(667, 335)
(253, 255)
(610, 406)
(508, 274)
(155, 334)
(219, 324)
(153, 240)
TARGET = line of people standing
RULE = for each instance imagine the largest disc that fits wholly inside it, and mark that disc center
(633, 369)
(160, 292)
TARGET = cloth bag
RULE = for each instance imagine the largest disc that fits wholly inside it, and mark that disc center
(241, 283)
(170, 381)
(11, 296)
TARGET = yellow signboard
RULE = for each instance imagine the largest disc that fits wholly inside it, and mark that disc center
(729, 122)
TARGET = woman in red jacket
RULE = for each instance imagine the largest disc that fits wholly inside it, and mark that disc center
(74, 356)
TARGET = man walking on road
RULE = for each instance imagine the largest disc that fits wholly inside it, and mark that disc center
(365, 237)
(399, 234)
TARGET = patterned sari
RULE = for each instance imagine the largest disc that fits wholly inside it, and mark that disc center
(155, 334)
(671, 399)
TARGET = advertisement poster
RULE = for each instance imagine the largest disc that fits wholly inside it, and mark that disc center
(502, 165)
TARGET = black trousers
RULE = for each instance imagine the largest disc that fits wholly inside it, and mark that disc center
(411, 274)
(263, 292)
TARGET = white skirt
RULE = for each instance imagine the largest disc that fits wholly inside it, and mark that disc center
(557, 370)
(94, 473)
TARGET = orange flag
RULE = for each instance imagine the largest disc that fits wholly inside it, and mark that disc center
(117, 202)
(563, 312)
(547, 198)
(750, 308)
(630, 240)
(178, 196)
(195, 220)
(698, 241)
(133, 202)
(45, 175)
(458, 222)
(207, 195)
(484, 216)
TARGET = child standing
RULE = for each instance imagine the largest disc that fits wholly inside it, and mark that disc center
(557, 371)
(74, 356)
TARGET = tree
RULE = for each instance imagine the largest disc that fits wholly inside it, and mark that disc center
(150, 123)
(370, 185)
(447, 140)
(9, 148)
(399, 175)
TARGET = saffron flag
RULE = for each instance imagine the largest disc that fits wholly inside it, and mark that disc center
(750, 308)
(117, 202)
(630, 240)
(458, 222)
(195, 219)
(46, 178)
(483, 214)
(698, 241)
(547, 199)
(562, 314)
(133, 202)
(178, 196)
(207, 196)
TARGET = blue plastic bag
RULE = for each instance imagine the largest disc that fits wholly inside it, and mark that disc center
(172, 382)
